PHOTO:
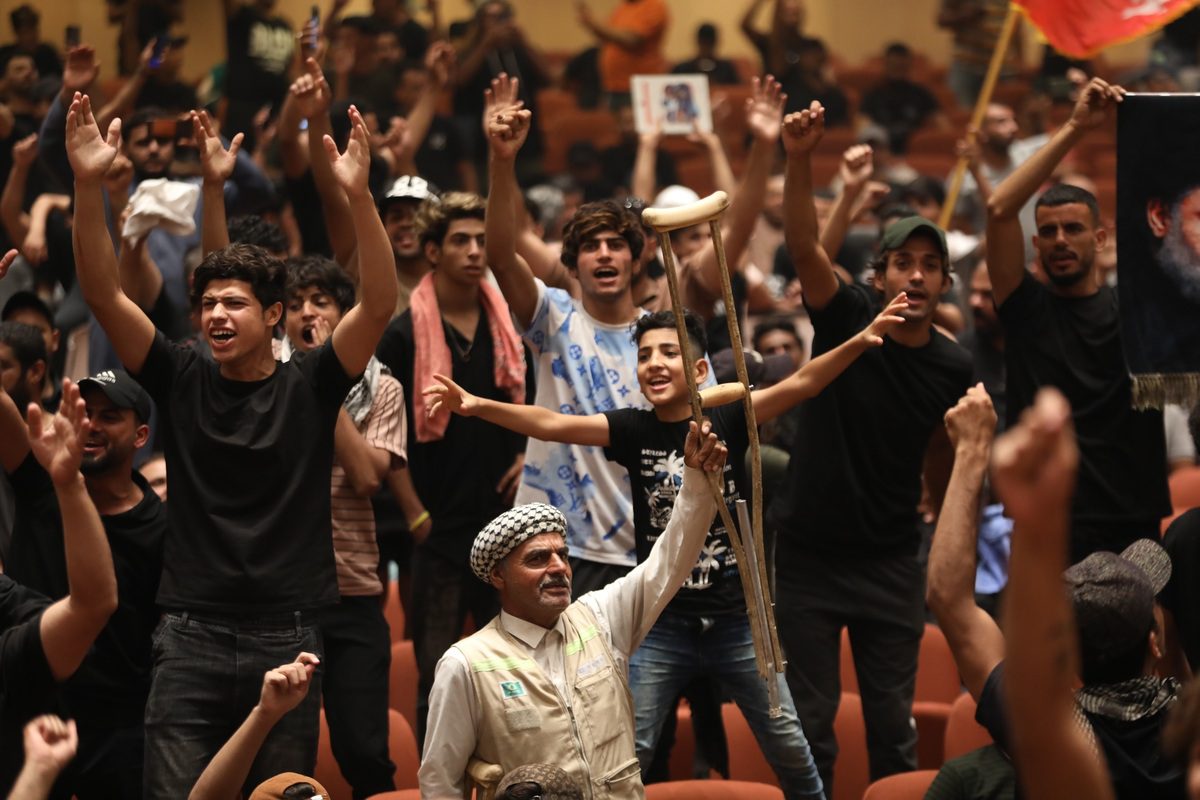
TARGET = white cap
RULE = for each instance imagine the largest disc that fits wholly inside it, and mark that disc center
(675, 196)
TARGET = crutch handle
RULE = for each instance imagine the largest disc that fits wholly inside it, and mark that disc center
(703, 210)
(721, 394)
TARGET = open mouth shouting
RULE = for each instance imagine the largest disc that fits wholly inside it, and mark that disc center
(221, 338)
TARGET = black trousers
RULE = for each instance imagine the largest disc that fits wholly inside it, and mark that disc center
(443, 592)
(881, 603)
(358, 656)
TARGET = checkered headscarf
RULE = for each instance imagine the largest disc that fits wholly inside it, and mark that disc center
(508, 530)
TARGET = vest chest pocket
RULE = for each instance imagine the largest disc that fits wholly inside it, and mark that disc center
(522, 718)
(600, 694)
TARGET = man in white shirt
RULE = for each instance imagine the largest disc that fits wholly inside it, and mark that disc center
(546, 681)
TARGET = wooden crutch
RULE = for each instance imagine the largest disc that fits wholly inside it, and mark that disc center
(747, 541)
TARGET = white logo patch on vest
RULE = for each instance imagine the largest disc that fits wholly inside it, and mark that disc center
(512, 689)
(588, 667)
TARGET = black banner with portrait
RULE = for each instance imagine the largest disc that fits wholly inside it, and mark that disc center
(1158, 245)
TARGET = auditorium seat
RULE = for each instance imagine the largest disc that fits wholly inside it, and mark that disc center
(963, 733)
(402, 746)
(712, 790)
(402, 682)
(904, 786)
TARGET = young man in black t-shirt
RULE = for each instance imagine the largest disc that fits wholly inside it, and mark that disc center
(704, 631)
(454, 320)
(846, 552)
(260, 47)
(249, 446)
(1066, 334)
(107, 695)
(43, 642)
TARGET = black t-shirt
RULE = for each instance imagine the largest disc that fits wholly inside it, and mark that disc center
(306, 205)
(114, 679)
(260, 53)
(900, 107)
(26, 685)
(652, 452)
(170, 96)
(854, 480)
(719, 71)
(1136, 763)
(440, 155)
(1181, 596)
(989, 370)
(249, 463)
(1074, 344)
(455, 476)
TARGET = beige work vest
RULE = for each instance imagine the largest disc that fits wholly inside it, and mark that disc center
(523, 720)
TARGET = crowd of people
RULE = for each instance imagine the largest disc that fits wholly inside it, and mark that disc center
(331, 297)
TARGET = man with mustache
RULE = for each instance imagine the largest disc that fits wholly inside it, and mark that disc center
(1066, 334)
(546, 680)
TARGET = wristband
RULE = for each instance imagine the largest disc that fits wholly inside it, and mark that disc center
(418, 522)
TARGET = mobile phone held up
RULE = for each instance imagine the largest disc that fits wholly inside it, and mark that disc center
(161, 43)
(73, 37)
(312, 31)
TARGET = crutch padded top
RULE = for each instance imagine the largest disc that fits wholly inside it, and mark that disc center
(703, 210)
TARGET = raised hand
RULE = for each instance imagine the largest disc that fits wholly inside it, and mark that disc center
(50, 743)
(505, 119)
(1034, 463)
(57, 440)
(1095, 104)
(802, 130)
(25, 151)
(35, 248)
(286, 686)
(440, 60)
(351, 169)
(450, 396)
(968, 147)
(886, 320)
(80, 70)
(764, 109)
(90, 153)
(858, 162)
(310, 92)
(972, 421)
(216, 163)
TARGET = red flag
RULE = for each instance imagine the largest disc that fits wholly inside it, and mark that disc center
(1081, 28)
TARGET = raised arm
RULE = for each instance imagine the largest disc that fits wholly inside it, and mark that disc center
(129, 329)
(801, 132)
(747, 23)
(12, 199)
(858, 162)
(355, 338)
(313, 98)
(764, 111)
(216, 164)
(507, 125)
(812, 378)
(122, 101)
(35, 247)
(283, 689)
(1006, 245)
(141, 279)
(540, 423)
(69, 626)
(974, 637)
(645, 165)
(292, 151)
(1033, 471)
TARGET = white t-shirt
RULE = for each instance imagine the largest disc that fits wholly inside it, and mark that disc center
(583, 367)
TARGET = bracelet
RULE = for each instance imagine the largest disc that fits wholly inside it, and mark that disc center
(418, 522)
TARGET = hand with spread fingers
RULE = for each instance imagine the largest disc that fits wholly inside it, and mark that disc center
(450, 396)
(885, 321)
(57, 440)
(216, 162)
(352, 168)
(90, 153)
(764, 109)
(802, 130)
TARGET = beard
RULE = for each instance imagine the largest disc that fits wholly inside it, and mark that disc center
(1064, 279)
(1179, 262)
(98, 465)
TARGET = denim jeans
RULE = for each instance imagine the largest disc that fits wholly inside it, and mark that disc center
(680, 647)
(207, 676)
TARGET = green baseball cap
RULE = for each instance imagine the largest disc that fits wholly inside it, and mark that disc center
(902, 230)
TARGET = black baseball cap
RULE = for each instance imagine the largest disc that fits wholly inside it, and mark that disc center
(902, 230)
(122, 390)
